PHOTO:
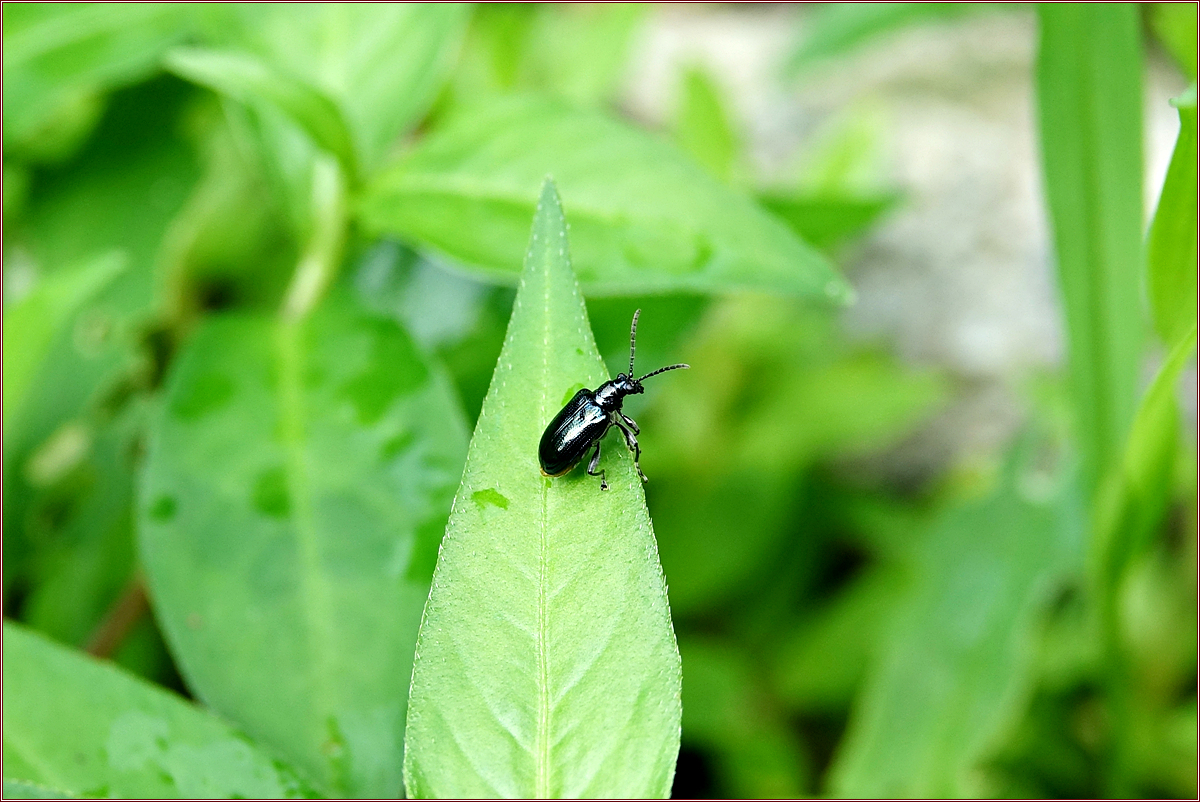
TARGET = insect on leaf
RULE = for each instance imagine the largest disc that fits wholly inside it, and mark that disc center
(546, 663)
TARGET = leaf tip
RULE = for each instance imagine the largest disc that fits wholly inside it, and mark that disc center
(839, 290)
(1186, 100)
(549, 223)
(548, 198)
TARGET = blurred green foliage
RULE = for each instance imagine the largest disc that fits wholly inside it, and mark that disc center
(258, 270)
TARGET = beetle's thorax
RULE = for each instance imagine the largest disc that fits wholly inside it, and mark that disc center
(610, 395)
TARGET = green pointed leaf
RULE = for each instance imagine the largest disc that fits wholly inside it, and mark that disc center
(644, 217)
(1171, 243)
(1089, 75)
(298, 480)
(956, 662)
(247, 79)
(546, 664)
(89, 729)
(827, 219)
(837, 29)
(702, 125)
(1138, 488)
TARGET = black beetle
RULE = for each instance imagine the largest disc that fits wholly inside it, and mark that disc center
(586, 418)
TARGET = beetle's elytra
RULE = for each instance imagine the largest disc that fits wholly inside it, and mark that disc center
(587, 417)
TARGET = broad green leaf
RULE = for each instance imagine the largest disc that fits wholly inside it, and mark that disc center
(580, 51)
(302, 472)
(826, 220)
(463, 319)
(31, 324)
(645, 217)
(1089, 75)
(575, 51)
(380, 64)
(836, 29)
(1175, 26)
(59, 59)
(16, 789)
(1171, 243)
(956, 662)
(758, 756)
(249, 80)
(494, 49)
(1138, 487)
(702, 126)
(546, 664)
(89, 729)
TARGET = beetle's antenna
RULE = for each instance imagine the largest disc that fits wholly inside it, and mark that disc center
(633, 340)
(663, 370)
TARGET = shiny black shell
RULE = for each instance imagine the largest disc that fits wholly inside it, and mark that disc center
(572, 432)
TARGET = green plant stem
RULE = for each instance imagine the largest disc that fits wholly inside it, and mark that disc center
(323, 255)
(1118, 699)
(119, 620)
(181, 309)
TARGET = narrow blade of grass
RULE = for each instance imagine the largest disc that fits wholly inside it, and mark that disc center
(1089, 74)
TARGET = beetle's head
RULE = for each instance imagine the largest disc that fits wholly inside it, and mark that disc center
(628, 385)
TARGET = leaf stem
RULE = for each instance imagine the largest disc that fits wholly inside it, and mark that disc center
(323, 255)
(1119, 702)
(120, 618)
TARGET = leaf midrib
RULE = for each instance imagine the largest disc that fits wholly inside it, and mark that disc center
(542, 742)
(315, 591)
(412, 183)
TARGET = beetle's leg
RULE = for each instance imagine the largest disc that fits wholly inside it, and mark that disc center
(631, 441)
(629, 422)
(591, 469)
